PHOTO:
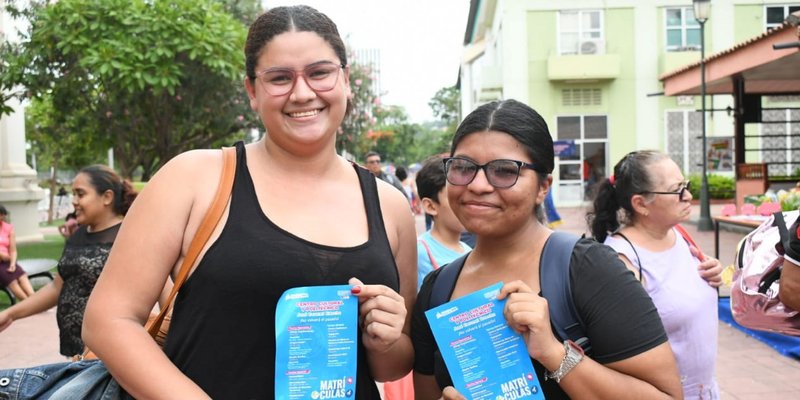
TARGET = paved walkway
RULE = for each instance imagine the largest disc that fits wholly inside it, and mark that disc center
(746, 368)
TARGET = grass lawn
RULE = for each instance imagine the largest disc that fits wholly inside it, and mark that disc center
(51, 247)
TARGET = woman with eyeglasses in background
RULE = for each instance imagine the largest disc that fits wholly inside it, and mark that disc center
(654, 196)
(299, 215)
(498, 175)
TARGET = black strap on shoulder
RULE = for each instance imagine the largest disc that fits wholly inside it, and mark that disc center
(554, 281)
(638, 260)
(556, 288)
(445, 281)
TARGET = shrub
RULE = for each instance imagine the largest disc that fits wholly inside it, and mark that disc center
(719, 187)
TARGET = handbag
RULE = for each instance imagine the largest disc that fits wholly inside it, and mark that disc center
(756, 282)
(88, 378)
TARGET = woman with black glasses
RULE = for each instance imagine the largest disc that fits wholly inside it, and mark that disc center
(498, 175)
(654, 196)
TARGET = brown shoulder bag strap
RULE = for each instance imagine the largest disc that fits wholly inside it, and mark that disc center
(204, 232)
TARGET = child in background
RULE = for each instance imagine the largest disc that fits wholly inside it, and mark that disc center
(441, 243)
(70, 225)
(438, 246)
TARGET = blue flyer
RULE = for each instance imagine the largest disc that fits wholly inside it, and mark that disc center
(485, 357)
(316, 333)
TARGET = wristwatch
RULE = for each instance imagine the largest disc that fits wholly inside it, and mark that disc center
(574, 355)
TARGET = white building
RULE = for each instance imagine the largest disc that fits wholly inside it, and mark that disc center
(19, 191)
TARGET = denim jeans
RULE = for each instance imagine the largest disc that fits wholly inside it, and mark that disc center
(87, 379)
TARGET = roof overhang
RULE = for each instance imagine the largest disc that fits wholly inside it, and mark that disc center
(763, 69)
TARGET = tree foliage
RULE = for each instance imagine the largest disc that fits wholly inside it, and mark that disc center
(149, 78)
(445, 105)
(360, 119)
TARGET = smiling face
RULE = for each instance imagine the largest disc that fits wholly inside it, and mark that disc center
(484, 209)
(90, 206)
(303, 118)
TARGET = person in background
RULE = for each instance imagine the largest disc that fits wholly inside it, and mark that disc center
(101, 199)
(654, 197)
(70, 225)
(435, 247)
(12, 275)
(498, 175)
(373, 161)
(442, 243)
(299, 215)
(553, 217)
(409, 187)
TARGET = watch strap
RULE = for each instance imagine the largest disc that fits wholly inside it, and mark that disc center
(573, 354)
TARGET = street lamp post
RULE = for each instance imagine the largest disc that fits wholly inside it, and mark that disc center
(702, 10)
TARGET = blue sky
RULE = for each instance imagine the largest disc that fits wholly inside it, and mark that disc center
(420, 43)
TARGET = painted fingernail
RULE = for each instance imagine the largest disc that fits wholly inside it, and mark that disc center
(355, 289)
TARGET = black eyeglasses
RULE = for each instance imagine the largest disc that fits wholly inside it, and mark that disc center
(684, 188)
(500, 173)
(320, 77)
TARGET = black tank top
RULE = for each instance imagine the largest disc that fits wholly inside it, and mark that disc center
(222, 334)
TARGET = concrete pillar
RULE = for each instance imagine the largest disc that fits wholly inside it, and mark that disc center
(19, 191)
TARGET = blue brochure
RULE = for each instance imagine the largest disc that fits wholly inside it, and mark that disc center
(316, 333)
(485, 357)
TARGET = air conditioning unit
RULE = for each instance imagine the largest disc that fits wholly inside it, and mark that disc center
(592, 46)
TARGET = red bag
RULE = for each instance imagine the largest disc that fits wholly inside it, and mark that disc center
(754, 293)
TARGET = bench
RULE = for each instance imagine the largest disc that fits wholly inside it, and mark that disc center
(35, 268)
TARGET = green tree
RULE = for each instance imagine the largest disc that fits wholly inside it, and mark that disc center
(360, 119)
(445, 105)
(66, 144)
(244, 10)
(150, 78)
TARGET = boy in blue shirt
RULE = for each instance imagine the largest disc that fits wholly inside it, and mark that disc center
(436, 247)
(440, 244)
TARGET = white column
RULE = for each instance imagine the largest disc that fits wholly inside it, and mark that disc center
(19, 191)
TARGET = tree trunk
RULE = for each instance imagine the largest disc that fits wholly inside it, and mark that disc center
(53, 184)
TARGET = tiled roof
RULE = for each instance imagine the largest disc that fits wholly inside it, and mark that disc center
(746, 43)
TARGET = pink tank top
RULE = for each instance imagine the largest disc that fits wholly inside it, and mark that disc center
(5, 236)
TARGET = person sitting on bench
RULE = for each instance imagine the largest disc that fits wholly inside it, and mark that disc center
(12, 275)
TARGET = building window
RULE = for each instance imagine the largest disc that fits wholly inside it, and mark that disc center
(684, 139)
(683, 31)
(581, 32)
(774, 15)
(584, 165)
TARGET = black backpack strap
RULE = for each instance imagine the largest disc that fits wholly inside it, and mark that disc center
(445, 281)
(556, 288)
(768, 279)
(780, 222)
